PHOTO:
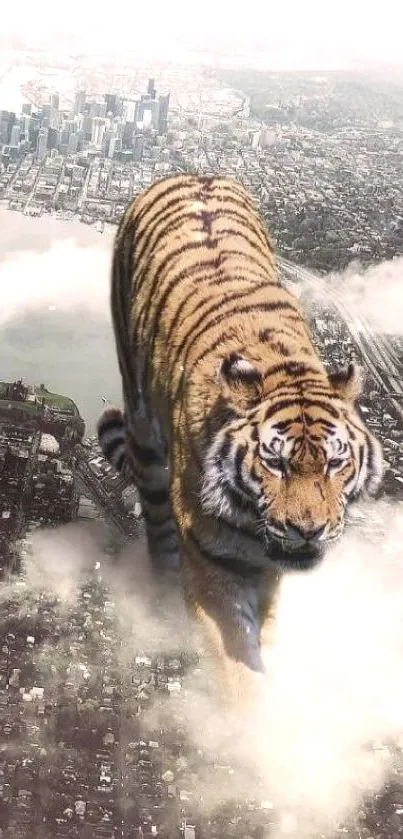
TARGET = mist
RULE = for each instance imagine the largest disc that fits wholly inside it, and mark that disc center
(334, 687)
(55, 324)
(375, 292)
(332, 699)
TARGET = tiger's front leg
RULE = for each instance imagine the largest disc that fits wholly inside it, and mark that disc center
(227, 608)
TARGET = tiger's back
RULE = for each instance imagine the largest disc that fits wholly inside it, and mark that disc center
(221, 381)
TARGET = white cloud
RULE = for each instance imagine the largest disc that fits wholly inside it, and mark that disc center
(376, 292)
(305, 31)
(65, 276)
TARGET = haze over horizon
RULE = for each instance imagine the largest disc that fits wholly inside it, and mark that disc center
(287, 37)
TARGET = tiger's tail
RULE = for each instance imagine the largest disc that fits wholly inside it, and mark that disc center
(112, 439)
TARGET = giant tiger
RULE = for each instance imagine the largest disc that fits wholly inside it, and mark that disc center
(245, 451)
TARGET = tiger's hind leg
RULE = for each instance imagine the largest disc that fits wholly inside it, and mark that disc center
(137, 451)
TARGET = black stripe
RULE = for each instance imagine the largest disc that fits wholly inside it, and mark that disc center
(258, 245)
(291, 368)
(109, 448)
(272, 333)
(256, 307)
(173, 254)
(115, 423)
(286, 403)
(233, 566)
(215, 282)
(249, 276)
(164, 224)
(183, 274)
(370, 455)
(241, 453)
(182, 187)
(280, 347)
(145, 455)
(247, 219)
(121, 461)
(223, 451)
(330, 426)
(154, 496)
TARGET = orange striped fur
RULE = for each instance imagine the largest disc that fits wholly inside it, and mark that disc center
(245, 451)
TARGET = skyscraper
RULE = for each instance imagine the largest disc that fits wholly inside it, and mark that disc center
(110, 101)
(151, 89)
(54, 101)
(15, 134)
(98, 131)
(79, 101)
(42, 144)
(163, 102)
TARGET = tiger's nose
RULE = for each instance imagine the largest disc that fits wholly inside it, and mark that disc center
(303, 534)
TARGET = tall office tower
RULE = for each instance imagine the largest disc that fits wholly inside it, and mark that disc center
(120, 104)
(79, 101)
(110, 102)
(34, 125)
(148, 112)
(15, 135)
(127, 139)
(53, 138)
(98, 131)
(163, 102)
(97, 109)
(72, 145)
(138, 146)
(7, 120)
(115, 146)
(87, 128)
(151, 89)
(54, 101)
(130, 110)
(42, 144)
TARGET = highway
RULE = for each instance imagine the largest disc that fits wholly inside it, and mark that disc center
(375, 349)
(105, 503)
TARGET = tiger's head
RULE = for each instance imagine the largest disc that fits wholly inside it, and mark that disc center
(285, 464)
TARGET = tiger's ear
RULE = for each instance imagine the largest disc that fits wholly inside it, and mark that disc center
(241, 381)
(346, 382)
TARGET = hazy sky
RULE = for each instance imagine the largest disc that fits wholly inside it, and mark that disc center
(292, 34)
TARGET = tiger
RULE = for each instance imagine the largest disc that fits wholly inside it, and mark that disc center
(245, 449)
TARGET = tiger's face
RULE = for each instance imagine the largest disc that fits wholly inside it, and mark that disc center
(288, 468)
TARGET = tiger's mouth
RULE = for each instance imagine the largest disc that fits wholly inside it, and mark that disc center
(303, 558)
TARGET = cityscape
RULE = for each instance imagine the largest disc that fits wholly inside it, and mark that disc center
(79, 755)
(322, 154)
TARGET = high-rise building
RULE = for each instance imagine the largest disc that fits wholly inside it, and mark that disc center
(138, 147)
(163, 102)
(34, 125)
(72, 145)
(54, 101)
(87, 128)
(42, 144)
(110, 102)
(98, 131)
(151, 88)
(148, 112)
(7, 120)
(15, 135)
(115, 146)
(130, 110)
(27, 108)
(53, 138)
(97, 109)
(127, 138)
(120, 105)
(79, 101)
